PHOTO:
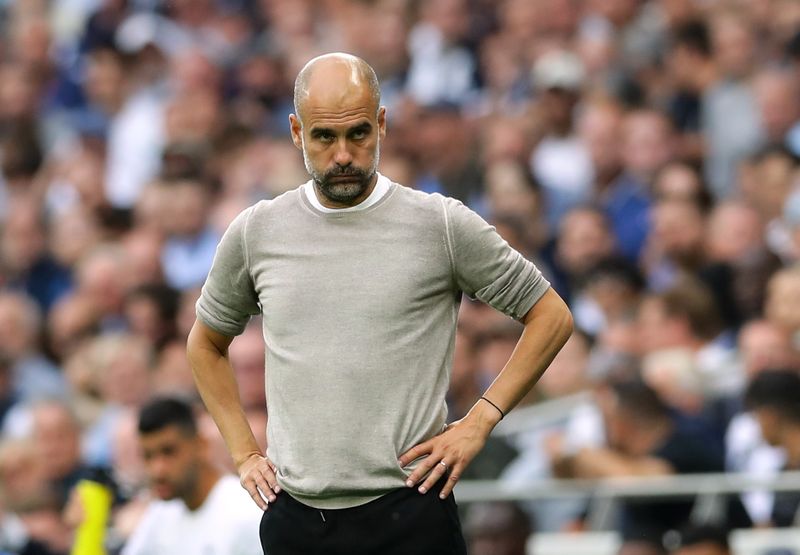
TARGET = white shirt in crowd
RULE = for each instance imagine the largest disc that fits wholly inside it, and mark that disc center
(227, 523)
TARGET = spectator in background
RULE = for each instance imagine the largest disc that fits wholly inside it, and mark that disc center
(600, 127)
(674, 248)
(499, 528)
(121, 367)
(782, 301)
(512, 192)
(22, 160)
(150, 311)
(570, 375)
(731, 120)
(647, 144)
(444, 148)
(441, 68)
(678, 180)
(763, 345)
(248, 359)
(25, 264)
(198, 509)
(691, 66)
(191, 242)
(685, 357)
(772, 398)
(136, 134)
(774, 170)
(56, 434)
(610, 293)
(560, 162)
(584, 239)
(778, 99)
(791, 225)
(739, 261)
(464, 387)
(643, 440)
(102, 276)
(33, 376)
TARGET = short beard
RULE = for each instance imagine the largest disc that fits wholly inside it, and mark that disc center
(343, 192)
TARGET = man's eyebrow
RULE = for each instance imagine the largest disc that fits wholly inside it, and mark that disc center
(361, 127)
(319, 131)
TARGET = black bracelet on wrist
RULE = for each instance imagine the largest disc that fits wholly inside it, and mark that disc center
(502, 414)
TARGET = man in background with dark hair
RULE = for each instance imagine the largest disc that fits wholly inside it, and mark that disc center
(772, 397)
(199, 510)
(643, 440)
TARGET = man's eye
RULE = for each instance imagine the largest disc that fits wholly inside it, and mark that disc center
(358, 135)
(326, 137)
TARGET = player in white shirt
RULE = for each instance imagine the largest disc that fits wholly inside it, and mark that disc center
(199, 509)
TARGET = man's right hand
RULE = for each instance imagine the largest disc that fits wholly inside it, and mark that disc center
(257, 476)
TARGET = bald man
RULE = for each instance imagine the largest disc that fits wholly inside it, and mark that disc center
(359, 281)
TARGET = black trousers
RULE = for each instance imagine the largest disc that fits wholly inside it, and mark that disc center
(403, 522)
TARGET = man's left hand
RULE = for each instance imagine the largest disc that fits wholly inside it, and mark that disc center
(451, 451)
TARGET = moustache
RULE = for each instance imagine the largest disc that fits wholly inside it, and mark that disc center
(345, 172)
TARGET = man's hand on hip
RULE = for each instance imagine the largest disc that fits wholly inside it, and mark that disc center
(257, 476)
(451, 451)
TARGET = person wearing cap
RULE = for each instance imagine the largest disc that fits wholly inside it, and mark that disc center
(560, 161)
(359, 280)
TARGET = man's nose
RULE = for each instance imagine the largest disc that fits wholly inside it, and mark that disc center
(157, 468)
(343, 156)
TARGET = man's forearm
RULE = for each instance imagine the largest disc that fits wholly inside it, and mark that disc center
(214, 377)
(548, 325)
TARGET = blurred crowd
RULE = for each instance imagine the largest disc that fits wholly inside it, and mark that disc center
(644, 153)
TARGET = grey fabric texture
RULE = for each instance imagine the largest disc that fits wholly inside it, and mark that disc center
(359, 317)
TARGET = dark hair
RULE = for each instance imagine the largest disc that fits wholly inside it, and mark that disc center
(774, 150)
(163, 296)
(690, 298)
(22, 151)
(775, 389)
(619, 269)
(640, 400)
(693, 35)
(161, 412)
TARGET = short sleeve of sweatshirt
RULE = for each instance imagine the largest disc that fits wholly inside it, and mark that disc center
(228, 298)
(487, 267)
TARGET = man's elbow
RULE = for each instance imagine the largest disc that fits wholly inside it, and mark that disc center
(552, 309)
(203, 340)
(566, 323)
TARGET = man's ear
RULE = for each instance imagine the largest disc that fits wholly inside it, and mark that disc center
(382, 122)
(296, 127)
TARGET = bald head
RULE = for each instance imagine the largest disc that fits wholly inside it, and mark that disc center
(335, 75)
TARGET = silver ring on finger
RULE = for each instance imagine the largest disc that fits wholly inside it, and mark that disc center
(444, 464)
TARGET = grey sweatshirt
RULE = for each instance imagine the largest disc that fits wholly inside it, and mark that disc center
(359, 323)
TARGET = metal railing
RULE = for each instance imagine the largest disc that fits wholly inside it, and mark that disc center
(708, 490)
(683, 485)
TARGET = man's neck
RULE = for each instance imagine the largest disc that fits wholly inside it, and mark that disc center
(209, 476)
